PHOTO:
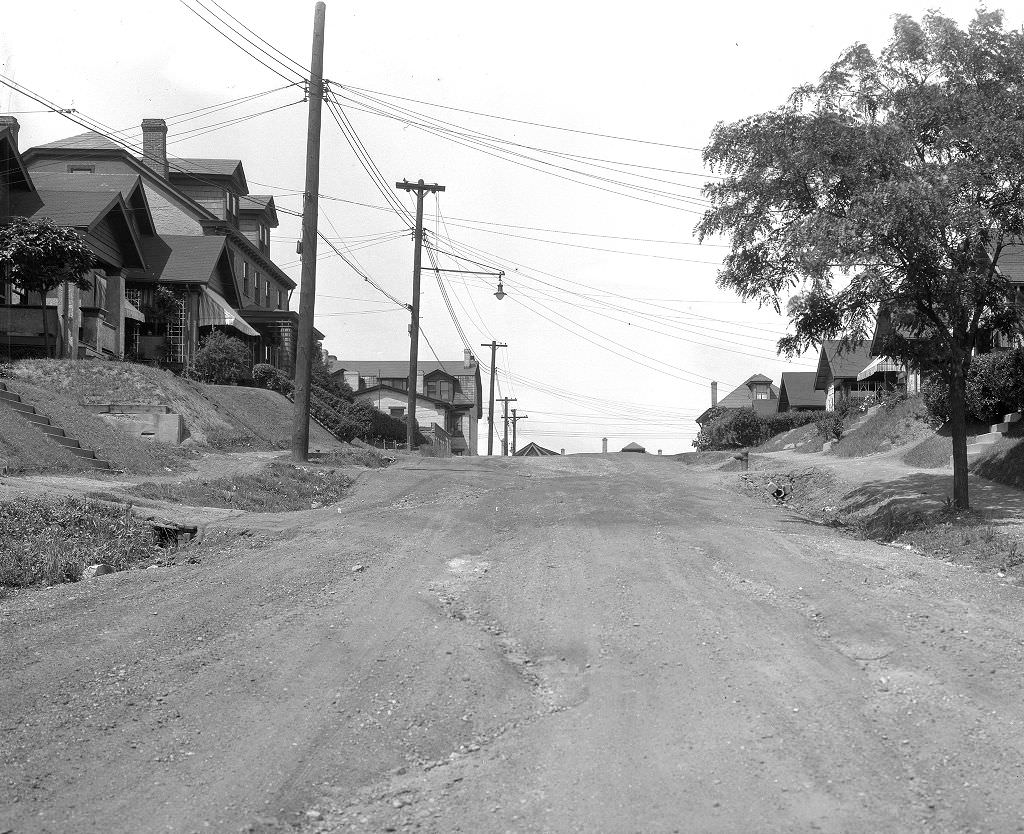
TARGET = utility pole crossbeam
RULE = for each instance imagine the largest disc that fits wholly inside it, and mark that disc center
(420, 188)
(504, 443)
(515, 419)
(307, 289)
(490, 409)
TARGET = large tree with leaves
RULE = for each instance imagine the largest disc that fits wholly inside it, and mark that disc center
(37, 256)
(895, 182)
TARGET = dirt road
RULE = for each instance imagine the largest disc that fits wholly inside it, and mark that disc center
(583, 644)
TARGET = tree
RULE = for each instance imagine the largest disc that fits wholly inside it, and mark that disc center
(894, 183)
(38, 256)
(221, 360)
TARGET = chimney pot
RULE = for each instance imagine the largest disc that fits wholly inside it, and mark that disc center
(11, 123)
(154, 146)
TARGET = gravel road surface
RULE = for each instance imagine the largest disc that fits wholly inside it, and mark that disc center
(615, 643)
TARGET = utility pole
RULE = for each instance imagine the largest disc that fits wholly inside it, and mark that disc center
(515, 419)
(307, 290)
(504, 442)
(414, 331)
(490, 410)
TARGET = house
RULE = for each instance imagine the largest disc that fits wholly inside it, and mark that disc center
(757, 393)
(193, 198)
(634, 447)
(532, 450)
(797, 392)
(850, 372)
(111, 219)
(448, 394)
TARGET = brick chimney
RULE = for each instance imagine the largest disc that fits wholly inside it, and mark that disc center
(714, 394)
(154, 145)
(11, 123)
(468, 360)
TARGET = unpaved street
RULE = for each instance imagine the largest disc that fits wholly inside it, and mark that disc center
(582, 644)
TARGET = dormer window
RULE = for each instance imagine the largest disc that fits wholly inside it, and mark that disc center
(264, 235)
(231, 207)
(761, 392)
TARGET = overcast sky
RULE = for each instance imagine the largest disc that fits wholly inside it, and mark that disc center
(620, 344)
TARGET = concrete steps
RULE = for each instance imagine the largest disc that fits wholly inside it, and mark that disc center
(54, 433)
(982, 443)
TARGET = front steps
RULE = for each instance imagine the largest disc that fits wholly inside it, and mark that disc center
(54, 433)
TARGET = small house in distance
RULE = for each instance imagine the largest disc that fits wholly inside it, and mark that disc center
(757, 393)
(533, 450)
(634, 447)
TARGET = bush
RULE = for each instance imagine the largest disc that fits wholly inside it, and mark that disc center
(830, 426)
(267, 376)
(221, 360)
(743, 427)
(995, 386)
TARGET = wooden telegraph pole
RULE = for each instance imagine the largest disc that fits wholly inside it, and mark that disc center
(515, 419)
(490, 409)
(307, 290)
(414, 331)
(504, 443)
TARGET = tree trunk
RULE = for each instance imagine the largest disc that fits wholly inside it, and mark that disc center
(46, 331)
(958, 429)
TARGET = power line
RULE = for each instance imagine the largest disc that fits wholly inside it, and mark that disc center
(365, 90)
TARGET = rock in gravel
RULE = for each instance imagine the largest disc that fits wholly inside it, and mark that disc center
(93, 571)
(357, 568)
(313, 814)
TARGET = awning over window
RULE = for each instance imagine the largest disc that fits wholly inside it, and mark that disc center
(132, 312)
(214, 311)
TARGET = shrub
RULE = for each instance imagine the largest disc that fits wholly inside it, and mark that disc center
(830, 426)
(995, 386)
(744, 427)
(267, 376)
(221, 360)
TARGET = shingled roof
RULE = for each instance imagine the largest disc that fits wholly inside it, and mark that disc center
(797, 391)
(838, 362)
(180, 259)
(88, 141)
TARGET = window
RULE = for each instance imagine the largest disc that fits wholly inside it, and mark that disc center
(256, 285)
(231, 206)
(245, 277)
(266, 296)
(439, 389)
(81, 169)
(280, 300)
(264, 235)
(397, 411)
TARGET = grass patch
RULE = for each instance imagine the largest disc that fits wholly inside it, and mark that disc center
(50, 541)
(1004, 465)
(368, 456)
(933, 452)
(801, 439)
(885, 429)
(280, 487)
(122, 450)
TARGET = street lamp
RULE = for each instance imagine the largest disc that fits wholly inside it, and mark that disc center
(500, 294)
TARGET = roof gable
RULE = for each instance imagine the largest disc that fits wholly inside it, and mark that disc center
(13, 167)
(128, 186)
(798, 391)
(836, 361)
(183, 259)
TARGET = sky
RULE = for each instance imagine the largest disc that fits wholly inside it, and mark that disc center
(568, 138)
